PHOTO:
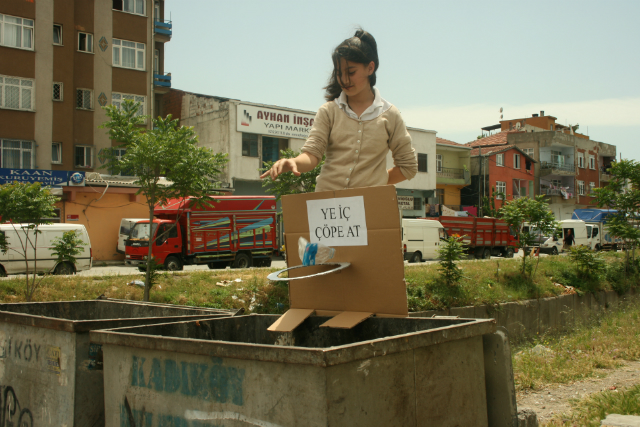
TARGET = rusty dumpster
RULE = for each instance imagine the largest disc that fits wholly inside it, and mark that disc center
(50, 373)
(233, 372)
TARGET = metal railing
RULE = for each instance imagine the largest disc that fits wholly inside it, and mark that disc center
(163, 80)
(558, 166)
(450, 173)
(556, 192)
(163, 27)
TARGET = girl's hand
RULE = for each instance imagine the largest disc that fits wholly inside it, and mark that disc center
(281, 166)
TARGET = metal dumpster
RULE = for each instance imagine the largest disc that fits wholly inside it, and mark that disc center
(50, 374)
(233, 372)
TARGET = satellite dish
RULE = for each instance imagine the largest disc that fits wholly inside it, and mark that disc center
(501, 109)
(500, 116)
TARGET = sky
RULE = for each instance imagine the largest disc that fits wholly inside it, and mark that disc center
(448, 66)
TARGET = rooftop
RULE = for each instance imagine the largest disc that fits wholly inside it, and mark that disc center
(499, 138)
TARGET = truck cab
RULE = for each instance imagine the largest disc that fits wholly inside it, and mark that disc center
(167, 244)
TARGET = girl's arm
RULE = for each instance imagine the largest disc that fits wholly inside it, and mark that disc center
(395, 175)
(305, 162)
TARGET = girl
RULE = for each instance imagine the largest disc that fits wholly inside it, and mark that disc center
(355, 129)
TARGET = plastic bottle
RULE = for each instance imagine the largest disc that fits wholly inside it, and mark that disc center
(314, 253)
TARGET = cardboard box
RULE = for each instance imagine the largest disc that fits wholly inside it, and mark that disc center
(373, 284)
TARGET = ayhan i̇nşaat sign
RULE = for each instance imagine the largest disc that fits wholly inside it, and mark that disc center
(269, 121)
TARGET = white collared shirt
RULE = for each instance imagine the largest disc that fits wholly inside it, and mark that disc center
(378, 107)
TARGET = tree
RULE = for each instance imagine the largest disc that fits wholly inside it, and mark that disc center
(623, 194)
(533, 211)
(67, 247)
(288, 183)
(166, 151)
(25, 207)
(489, 205)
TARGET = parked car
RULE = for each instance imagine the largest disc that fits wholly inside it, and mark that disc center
(42, 259)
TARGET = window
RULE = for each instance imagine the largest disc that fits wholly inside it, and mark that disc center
(57, 91)
(592, 187)
(84, 99)
(501, 189)
(500, 159)
(156, 61)
(16, 32)
(557, 158)
(16, 93)
(551, 127)
(84, 156)
(56, 152)
(422, 162)
(57, 34)
(18, 154)
(118, 153)
(529, 151)
(85, 42)
(595, 231)
(592, 162)
(117, 98)
(156, 11)
(581, 160)
(581, 188)
(250, 145)
(128, 54)
(516, 161)
(438, 163)
(130, 6)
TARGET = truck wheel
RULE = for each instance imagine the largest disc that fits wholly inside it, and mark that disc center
(416, 257)
(242, 261)
(554, 251)
(509, 253)
(3, 272)
(173, 263)
(486, 254)
(64, 268)
(479, 252)
(142, 269)
(597, 248)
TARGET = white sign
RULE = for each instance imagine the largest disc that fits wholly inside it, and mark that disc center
(338, 222)
(405, 202)
(269, 121)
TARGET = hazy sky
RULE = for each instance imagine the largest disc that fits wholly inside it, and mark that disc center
(447, 65)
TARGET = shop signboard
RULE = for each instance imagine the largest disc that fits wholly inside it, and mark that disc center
(405, 202)
(46, 177)
(273, 122)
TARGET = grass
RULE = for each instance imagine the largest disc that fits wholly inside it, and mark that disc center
(589, 411)
(582, 353)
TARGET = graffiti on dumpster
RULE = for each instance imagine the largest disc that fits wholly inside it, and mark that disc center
(11, 413)
(212, 382)
(53, 359)
(141, 418)
(95, 357)
(22, 349)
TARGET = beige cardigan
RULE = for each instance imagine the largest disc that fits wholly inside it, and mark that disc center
(357, 150)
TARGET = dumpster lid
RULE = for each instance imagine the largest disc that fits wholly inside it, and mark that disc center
(369, 239)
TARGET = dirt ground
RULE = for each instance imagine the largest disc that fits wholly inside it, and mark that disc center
(554, 399)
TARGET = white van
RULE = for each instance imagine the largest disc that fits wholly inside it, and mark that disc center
(421, 239)
(13, 262)
(125, 228)
(578, 229)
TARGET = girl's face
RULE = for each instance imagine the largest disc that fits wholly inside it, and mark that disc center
(354, 77)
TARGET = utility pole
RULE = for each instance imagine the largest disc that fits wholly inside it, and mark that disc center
(479, 176)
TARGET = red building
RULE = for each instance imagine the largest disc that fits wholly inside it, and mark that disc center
(505, 169)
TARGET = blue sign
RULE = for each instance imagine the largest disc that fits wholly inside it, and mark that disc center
(46, 177)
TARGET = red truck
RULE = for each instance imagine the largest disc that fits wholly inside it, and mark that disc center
(482, 237)
(239, 231)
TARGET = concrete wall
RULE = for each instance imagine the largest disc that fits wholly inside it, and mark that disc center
(102, 218)
(423, 141)
(529, 318)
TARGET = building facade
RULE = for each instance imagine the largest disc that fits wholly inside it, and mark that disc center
(568, 165)
(251, 134)
(452, 172)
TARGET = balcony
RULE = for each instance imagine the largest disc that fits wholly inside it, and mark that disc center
(161, 83)
(452, 176)
(163, 31)
(553, 168)
(555, 195)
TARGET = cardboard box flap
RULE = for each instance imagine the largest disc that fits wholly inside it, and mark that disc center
(346, 320)
(290, 320)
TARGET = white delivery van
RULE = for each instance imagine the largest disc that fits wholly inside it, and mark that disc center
(13, 262)
(578, 229)
(125, 228)
(421, 239)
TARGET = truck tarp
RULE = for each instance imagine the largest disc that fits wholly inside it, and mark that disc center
(593, 215)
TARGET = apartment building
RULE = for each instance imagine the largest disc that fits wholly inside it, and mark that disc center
(252, 133)
(568, 165)
(452, 172)
(60, 62)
